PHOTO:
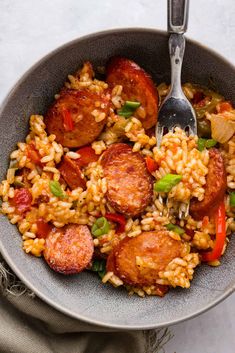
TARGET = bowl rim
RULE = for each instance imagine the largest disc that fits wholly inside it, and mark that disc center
(8, 259)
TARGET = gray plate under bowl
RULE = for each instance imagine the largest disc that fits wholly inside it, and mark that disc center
(83, 296)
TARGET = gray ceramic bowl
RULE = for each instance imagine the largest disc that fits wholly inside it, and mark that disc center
(83, 296)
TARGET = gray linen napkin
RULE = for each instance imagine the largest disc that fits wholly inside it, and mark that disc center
(28, 325)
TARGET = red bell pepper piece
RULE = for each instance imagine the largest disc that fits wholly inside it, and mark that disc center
(68, 121)
(22, 200)
(220, 226)
(151, 164)
(87, 155)
(33, 154)
(205, 221)
(117, 218)
(43, 228)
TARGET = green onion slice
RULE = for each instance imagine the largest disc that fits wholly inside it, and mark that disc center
(56, 189)
(166, 183)
(14, 164)
(175, 228)
(99, 266)
(232, 199)
(100, 227)
(102, 273)
(128, 109)
(18, 183)
(205, 143)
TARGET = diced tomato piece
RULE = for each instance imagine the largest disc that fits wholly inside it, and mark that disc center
(151, 164)
(22, 200)
(68, 121)
(198, 97)
(190, 232)
(203, 102)
(87, 155)
(43, 228)
(224, 107)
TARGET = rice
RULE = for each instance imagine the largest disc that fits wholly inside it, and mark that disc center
(34, 246)
(179, 271)
(230, 163)
(178, 154)
(84, 79)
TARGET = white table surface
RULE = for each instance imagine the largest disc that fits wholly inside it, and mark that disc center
(30, 29)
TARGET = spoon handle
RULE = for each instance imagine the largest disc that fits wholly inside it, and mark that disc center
(178, 16)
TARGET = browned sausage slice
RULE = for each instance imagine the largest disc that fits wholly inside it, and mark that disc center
(155, 250)
(76, 108)
(111, 263)
(71, 173)
(160, 290)
(215, 188)
(137, 86)
(69, 249)
(129, 184)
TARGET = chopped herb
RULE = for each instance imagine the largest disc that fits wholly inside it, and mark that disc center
(232, 199)
(175, 228)
(128, 109)
(100, 227)
(56, 189)
(205, 143)
(166, 183)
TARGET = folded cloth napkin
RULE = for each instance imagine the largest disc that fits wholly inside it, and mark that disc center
(28, 325)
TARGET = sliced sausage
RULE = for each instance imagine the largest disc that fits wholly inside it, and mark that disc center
(113, 152)
(111, 264)
(155, 249)
(129, 184)
(71, 173)
(69, 249)
(215, 188)
(137, 86)
(160, 290)
(78, 106)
